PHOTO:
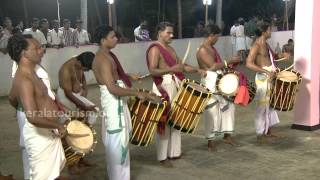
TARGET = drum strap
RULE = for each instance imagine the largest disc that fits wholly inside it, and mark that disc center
(212, 104)
(171, 61)
(122, 75)
(272, 56)
(216, 54)
(223, 109)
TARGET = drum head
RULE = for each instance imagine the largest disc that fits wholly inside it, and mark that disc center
(229, 84)
(81, 136)
(287, 76)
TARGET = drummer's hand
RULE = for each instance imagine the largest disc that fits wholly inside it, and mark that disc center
(177, 68)
(286, 55)
(202, 72)
(154, 97)
(270, 74)
(62, 131)
(135, 76)
(142, 95)
(90, 108)
(235, 59)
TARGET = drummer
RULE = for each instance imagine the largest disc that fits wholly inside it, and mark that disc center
(219, 115)
(29, 94)
(72, 93)
(166, 69)
(114, 86)
(261, 61)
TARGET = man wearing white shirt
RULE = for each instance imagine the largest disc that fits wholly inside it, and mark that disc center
(5, 34)
(67, 33)
(141, 32)
(233, 36)
(35, 32)
(55, 36)
(3, 41)
(80, 35)
(241, 45)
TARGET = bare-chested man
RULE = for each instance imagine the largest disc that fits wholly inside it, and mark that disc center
(261, 61)
(28, 92)
(72, 94)
(219, 115)
(114, 88)
(72, 82)
(167, 70)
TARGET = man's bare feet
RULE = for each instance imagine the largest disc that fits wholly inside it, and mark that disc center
(9, 177)
(86, 163)
(166, 163)
(227, 139)
(262, 139)
(211, 146)
(271, 134)
(75, 169)
(61, 178)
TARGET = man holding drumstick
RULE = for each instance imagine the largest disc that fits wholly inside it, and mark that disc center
(261, 60)
(166, 69)
(219, 115)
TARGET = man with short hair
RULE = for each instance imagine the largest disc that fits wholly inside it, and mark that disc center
(167, 70)
(115, 89)
(44, 27)
(261, 61)
(219, 114)
(5, 34)
(42, 130)
(241, 41)
(67, 33)
(36, 33)
(72, 93)
(141, 33)
(80, 35)
(55, 36)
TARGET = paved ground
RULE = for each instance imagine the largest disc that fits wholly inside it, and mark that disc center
(294, 156)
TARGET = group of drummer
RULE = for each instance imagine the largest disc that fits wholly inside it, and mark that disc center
(29, 94)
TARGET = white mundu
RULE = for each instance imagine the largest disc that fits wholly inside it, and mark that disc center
(266, 116)
(168, 144)
(219, 115)
(38, 143)
(71, 106)
(116, 129)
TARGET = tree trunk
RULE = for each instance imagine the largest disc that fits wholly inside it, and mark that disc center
(159, 10)
(84, 14)
(114, 16)
(219, 14)
(179, 19)
(26, 14)
(98, 14)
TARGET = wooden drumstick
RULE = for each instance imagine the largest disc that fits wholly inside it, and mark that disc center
(289, 67)
(144, 76)
(281, 59)
(77, 135)
(186, 53)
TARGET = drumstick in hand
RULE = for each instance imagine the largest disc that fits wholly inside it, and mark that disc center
(144, 76)
(77, 135)
(281, 59)
(186, 53)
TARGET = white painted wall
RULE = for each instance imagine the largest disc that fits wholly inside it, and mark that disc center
(131, 56)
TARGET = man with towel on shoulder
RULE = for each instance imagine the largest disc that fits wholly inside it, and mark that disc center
(219, 115)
